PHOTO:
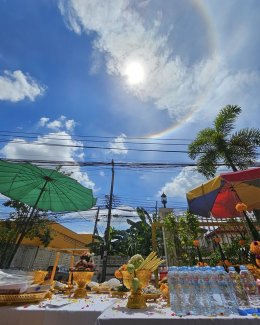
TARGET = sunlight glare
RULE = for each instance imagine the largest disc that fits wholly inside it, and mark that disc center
(134, 73)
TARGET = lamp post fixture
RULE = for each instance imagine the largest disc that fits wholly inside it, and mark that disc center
(164, 200)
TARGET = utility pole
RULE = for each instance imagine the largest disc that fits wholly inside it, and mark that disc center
(156, 211)
(107, 239)
(95, 226)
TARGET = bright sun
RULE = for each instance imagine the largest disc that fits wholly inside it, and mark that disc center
(134, 73)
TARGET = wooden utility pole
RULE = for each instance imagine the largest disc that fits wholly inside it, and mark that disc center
(95, 226)
(107, 239)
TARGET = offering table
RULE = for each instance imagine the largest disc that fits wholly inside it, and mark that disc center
(159, 314)
(59, 310)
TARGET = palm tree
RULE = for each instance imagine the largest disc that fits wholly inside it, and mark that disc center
(216, 145)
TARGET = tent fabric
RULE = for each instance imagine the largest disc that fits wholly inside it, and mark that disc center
(219, 196)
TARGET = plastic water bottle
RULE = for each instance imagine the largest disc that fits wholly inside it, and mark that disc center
(197, 292)
(227, 291)
(240, 292)
(175, 288)
(249, 285)
(187, 290)
(216, 301)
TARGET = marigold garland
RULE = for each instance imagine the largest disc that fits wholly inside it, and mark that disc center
(240, 207)
(242, 242)
(202, 264)
(196, 242)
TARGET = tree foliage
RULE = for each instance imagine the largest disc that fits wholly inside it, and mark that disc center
(19, 226)
(137, 239)
(181, 232)
(218, 145)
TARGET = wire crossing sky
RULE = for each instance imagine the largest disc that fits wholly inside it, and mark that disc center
(85, 82)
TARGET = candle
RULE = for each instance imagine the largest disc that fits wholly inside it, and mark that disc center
(55, 266)
(71, 266)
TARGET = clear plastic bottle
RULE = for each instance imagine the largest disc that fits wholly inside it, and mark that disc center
(240, 292)
(249, 285)
(208, 304)
(196, 295)
(188, 291)
(227, 291)
(175, 288)
(217, 299)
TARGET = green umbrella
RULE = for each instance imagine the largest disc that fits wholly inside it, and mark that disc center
(43, 188)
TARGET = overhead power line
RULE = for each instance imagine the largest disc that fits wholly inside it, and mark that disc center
(25, 134)
(119, 164)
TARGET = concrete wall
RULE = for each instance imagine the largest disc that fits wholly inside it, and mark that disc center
(31, 258)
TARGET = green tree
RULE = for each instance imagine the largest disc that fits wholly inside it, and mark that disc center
(18, 226)
(216, 145)
(181, 232)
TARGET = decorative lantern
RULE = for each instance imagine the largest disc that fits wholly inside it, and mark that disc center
(196, 242)
(240, 207)
(164, 199)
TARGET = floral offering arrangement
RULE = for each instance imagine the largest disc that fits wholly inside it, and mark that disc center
(138, 263)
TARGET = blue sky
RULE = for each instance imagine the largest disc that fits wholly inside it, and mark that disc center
(124, 75)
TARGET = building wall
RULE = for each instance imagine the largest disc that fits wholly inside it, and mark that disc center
(31, 258)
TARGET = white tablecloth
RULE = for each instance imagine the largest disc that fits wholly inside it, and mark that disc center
(158, 314)
(62, 311)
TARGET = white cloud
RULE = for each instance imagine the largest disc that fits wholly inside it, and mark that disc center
(55, 125)
(70, 125)
(16, 86)
(62, 123)
(185, 181)
(66, 149)
(118, 146)
(43, 121)
(124, 35)
(102, 173)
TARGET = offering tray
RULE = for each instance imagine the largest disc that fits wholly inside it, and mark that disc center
(21, 298)
(98, 289)
(118, 294)
(151, 296)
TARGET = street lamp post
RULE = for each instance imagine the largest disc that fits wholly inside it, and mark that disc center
(164, 199)
(171, 255)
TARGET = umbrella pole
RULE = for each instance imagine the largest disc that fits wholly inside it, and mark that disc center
(254, 234)
(27, 223)
(35, 205)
